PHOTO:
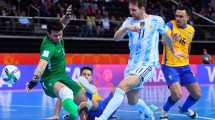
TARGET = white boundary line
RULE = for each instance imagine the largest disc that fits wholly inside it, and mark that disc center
(206, 118)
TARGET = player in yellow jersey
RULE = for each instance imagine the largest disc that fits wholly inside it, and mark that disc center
(177, 72)
(91, 92)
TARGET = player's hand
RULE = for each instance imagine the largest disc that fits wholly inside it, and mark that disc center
(32, 83)
(69, 12)
(133, 28)
(176, 37)
(179, 54)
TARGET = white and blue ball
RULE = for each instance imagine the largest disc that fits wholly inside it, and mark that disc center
(10, 74)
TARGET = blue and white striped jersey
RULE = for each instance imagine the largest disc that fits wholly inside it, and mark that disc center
(144, 45)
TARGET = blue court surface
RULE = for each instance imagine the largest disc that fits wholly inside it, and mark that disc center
(18, 105)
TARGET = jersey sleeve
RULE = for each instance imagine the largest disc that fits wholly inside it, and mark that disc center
(169, 27)
(47, 53)
(126, 22)
(161, 26)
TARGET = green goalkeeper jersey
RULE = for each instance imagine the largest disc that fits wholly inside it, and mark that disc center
(55, 55)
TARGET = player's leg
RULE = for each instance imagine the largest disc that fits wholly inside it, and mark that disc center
(136, 77)
(172, 78)
(145, 73)
(135, 102)
(55, 88)
(79, 95)
(57, 110)
(125, 85)
(66, 95)
(191, 84)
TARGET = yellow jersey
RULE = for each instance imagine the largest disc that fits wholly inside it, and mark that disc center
(94, 96)
(181, 45)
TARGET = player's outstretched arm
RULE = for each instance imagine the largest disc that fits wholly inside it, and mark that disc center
(37, 73)
(66, 18)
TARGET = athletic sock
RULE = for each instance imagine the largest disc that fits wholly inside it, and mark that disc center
(89, 104)
(142, 107)
(169, 103)
(188, 103)
(114, 103)
(69, 105)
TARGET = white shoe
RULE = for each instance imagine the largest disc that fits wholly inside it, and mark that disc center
(163, 115)
(96, 118)
(142, 116)
(153, 108)
(190, 113)
(52, 118)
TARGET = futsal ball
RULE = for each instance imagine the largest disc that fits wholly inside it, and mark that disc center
(10, 74)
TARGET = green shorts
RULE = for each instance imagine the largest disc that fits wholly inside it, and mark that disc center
(48, 85)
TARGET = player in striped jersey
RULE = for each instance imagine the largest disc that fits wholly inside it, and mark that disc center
(143, 32)
(177, 72)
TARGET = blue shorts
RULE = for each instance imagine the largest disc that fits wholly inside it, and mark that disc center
(182, 74)
(101, 106)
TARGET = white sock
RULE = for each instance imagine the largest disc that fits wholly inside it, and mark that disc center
(89, 104)
(142, 107)
(113, 104)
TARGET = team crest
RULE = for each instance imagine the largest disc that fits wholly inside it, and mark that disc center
(170, 77)
(142, 24)
(189, 35)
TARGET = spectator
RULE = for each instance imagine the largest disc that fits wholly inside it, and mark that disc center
(206, 58)
(91, 25)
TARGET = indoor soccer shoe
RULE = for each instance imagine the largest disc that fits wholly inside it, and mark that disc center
(163, 115)
(190, 113)
(66, 117)
(153, 109)
(52, 118)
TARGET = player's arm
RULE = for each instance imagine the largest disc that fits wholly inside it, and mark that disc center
(37, 73)
(119, 34)
(189, 48)
(66, 18)
(87, 86)
(169, 42)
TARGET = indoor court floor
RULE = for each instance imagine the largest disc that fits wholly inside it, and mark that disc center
(18, 105)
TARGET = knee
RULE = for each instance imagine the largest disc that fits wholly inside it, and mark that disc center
(123, 87)
(197, 95)
(132, 101)
(65, 93)
(176, 96)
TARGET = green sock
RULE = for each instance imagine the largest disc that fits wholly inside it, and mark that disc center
(71, 107)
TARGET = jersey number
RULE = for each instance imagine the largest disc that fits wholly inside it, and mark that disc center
(182, 41)
(141, 34)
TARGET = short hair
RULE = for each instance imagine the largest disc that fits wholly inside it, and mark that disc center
(186, 8)
(139, 3)
(86, 68)
(54, 25)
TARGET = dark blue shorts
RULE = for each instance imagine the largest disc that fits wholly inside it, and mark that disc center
(101, 106)
(182, 74)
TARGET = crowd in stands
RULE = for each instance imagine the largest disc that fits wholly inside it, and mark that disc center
(98, 16)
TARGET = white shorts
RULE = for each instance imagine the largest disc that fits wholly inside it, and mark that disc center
(144, 72)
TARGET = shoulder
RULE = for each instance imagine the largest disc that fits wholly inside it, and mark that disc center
(156, 17)
(129, 19)
(190, 27)
(47, 42)
(170, 24)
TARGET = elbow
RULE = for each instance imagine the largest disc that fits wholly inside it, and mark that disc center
(116, 38)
